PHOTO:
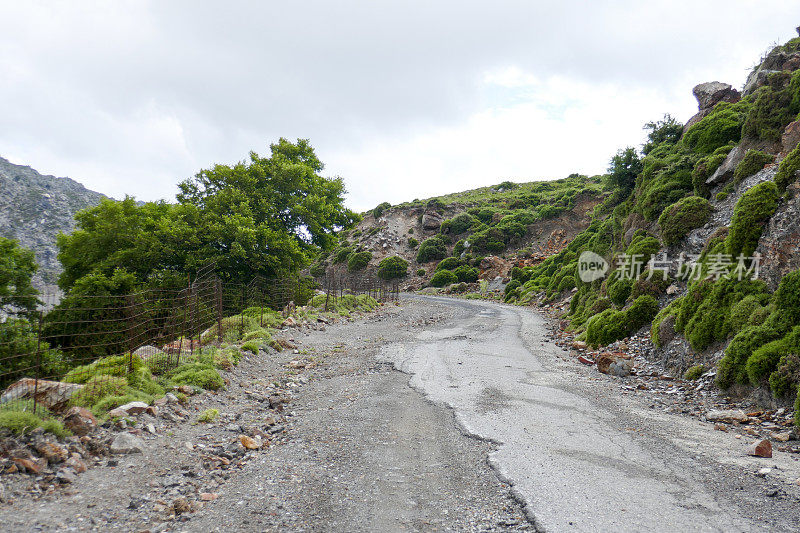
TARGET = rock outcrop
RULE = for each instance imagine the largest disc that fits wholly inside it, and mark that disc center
(34, 209)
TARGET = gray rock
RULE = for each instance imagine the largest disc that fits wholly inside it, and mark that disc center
(726, 415)
(726, 169)
(711, 93)
(35, 208)
(125, 443)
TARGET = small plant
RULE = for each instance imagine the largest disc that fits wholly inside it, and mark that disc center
(251, 346)
(753, 161)
(682, 217)
(787, 171)
(412, 242)
(208, 416)
(694, 373)
(420, 272)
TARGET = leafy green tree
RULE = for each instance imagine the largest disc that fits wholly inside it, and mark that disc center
(623, 169)
(666, 130)
(17, 266)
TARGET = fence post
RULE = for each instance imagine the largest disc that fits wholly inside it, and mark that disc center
(219, 310)
(38, 362)
(241, 312)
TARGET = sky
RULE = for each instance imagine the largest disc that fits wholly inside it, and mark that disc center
(405, 99)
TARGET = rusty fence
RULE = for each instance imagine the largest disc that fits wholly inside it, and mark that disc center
(46, 355)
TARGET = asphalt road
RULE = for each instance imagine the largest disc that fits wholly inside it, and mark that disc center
(580, 456)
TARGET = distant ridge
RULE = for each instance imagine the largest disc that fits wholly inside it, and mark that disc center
(34, 208)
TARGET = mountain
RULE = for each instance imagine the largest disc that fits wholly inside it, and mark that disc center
(35, 208)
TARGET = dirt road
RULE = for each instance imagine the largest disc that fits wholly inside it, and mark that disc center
(487, 426)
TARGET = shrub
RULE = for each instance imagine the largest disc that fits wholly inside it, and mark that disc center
(443, 278)
(251, 346)
(448, 263)
(642, 311)
(511, 286)
(431, 249)
(467, 274)
(787, 171)
(764, 360)
(606, 327)
(197, 374)
(459, 248)
(318, 270)
(771, 111)
(742, 310)
(753, 161)
(706, 167)
(694, 372)
(732, 366)
(207, 416)
(380, 208)
(752, 211)
(682, 217)
(619, 289)
(412, 242)
(341, 254)
(784, 380)
(718, 128)
(20, 422)
(358, 261)
(420, 272)
(461, 223)
(393, 267)
(787, 297)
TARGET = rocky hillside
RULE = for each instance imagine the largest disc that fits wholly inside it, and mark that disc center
(34, 209)
(699, 242)
(485, 231)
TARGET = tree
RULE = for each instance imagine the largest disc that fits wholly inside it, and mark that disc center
(17, 267)
(267, 216)
(623, 169)
(392, 267)
(665, 130)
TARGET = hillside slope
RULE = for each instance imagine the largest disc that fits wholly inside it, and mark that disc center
(35, 208)
(488, 229)
(701, 240)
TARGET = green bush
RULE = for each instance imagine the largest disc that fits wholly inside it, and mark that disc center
(448, 263)
(461, 223)
(732, 367)
(251, 346)
(358, 261)
(682, 217)
(751, 213)
(431, 249)
(393, 267)
(511, 287)
(208, 416)
(97, 388)
(467, 274)
(619, 289)
(694, 372)
(380, 208)
(641, 312)
(764, 360)
(787, 297)
(706, 167)
(443, 278)
(742, 310)
(772, 109)
(420, 272)
(718, 128)
(342, 254)
(753, 161)
(610, 325)
(20, 422)
(412, 242)
(318, 270)
(784, 380)
(787, 171)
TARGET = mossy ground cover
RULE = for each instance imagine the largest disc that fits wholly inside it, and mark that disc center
(19, 417)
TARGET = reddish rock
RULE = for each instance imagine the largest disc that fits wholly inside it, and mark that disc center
(79, 420)
(53, 453)
(248, 442)
(585, 360)
(791, 137)
(761, 449)
(76, 463)
(31, 466)
(208, 496)
(616, 364)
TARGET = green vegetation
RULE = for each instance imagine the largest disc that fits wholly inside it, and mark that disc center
(705, 168)
(358, 261)
(412, 242)
(208, 416)
(380, 208)
(753, 161)
(693, 373)
(751, 213)
(432, 249)
(21, 421)
(611, 325)
(17, 267)
(718, 128)
(467, 274)
(443, 278)
(448, 263)
(787, 171)
(393, 267)
(775, 105)
(420, 272)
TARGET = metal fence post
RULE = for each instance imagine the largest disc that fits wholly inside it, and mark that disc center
(38, 362)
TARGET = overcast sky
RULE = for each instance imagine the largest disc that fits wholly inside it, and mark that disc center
(402, 99)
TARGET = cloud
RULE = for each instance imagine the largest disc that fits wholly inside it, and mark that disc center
(402, 99)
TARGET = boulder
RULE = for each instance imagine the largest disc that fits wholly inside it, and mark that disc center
(726, 169)
(79, 420)
(52, 394)
(615, 364)
(131, 408)
(125, 443)
(727, 415)
(760, 449)
(147, 352)
(791, 137)
(666, 330)
(431, 221)
(711, 93)
(53, 453)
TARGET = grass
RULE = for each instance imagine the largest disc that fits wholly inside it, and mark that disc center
(208, 416)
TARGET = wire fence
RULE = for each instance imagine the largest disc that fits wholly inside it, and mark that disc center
(44, 355)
